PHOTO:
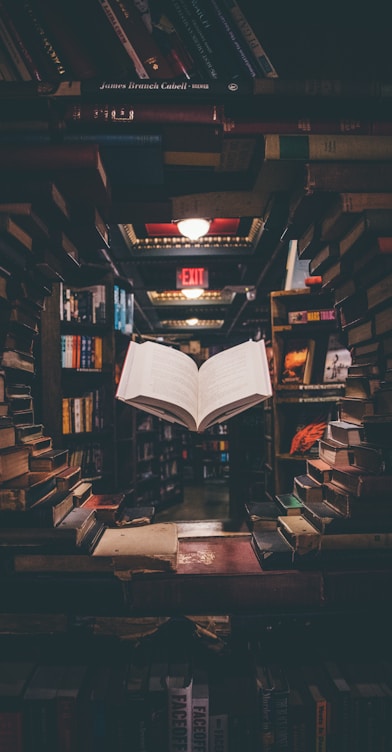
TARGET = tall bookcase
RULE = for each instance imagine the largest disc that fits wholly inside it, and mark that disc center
(80, 355)
(305, 395)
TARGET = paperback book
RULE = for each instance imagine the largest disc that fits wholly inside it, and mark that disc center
(167, 382)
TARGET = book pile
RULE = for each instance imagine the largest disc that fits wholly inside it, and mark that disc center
(340, 508)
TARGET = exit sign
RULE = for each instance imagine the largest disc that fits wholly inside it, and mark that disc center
(192, 277)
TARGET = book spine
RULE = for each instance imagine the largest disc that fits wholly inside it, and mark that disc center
(68, 39)
(237, 42)
(159, 26)
(180, 718)
(302, 126)
(149, 54)
(117, 20)
(50, 156)
(16, 48)
(123, 114)
(328, 147)
(48, 60)
(193, 35)
(263, 61)
(340, 176)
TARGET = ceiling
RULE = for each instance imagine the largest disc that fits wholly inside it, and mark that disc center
(242, 253)
(159, 173)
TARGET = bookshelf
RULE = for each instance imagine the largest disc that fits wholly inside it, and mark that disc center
(331, 608)
(79, 356)
(302, 323)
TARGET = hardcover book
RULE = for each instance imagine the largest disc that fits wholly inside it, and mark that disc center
(24, 490)
(262, 515)
(272, 549)
(333, 452)
(150, 547)
(289, 503)
(14, 461)
(47, 512)
(318, 469)
(354, 409)
(345, 432)
(317, 147)
(54, 459)
(167, 383)
(200, 710)
(307, 489)
(179, 683)
(360, 482)
(300, 533)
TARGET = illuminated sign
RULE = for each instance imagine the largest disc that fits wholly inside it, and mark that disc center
(192, 277)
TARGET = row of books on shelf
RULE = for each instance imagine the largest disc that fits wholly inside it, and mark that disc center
(81, 351)
(193, 700)
(83, 305)
(301, 357)
(83, 414)
(123, 310)
(155, 41)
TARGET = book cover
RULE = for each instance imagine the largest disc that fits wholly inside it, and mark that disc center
(47, 512)
(354, 409)
(300, 533)
(107, 507)
(54, 459)
(200, 710)
(262, 515)
(360, 482)
(307, 489)
(318, 469)
(337, 361)
(297, 361)
(345, 432)
(289, 503)
(179, 706)
(150, 547)
(316, 147)
(14, 461)
(272, 549)
(168, 383)
(346, 176)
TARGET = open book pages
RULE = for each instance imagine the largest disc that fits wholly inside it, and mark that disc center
(168, 383)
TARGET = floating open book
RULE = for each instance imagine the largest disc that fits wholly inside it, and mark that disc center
(166, 382)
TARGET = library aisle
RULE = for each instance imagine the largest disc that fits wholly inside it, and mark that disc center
(207, 500)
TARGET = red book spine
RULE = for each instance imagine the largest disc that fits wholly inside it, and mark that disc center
(143, 113)
(49, 156)
(68, 39)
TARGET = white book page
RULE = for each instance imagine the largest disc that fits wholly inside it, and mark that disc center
(162, 374)
(232, 375)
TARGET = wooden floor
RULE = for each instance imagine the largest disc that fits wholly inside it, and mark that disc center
(208, 500)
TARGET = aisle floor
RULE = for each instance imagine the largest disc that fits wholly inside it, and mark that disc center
(208, 500)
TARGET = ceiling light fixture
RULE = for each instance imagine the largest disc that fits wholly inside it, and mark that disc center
(192, 293)
(192, 322)
(193, 228)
